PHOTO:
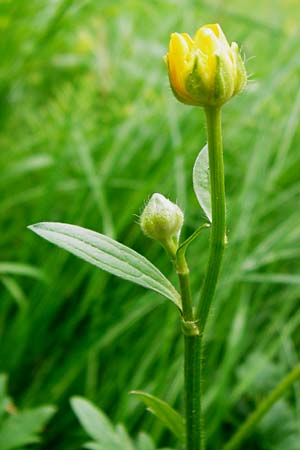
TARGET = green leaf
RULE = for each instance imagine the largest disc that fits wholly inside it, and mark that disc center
(93, 446)
(109, 255)
(201, 181)
(96, 425)
(170, 418)
(124, 437)
(23, 428)
(144, 442)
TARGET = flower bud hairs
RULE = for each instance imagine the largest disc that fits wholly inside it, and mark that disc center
(162, 221)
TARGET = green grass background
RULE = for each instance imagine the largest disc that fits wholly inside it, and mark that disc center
(89, 130)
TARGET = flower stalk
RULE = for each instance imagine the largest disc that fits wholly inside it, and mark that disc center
(194, 323)
(218, 226)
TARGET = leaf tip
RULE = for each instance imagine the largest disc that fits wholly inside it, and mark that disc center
(34, 226)
(75, 399)
(134, 392)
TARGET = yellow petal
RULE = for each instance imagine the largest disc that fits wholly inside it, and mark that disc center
(206, 41)
(180, 61)
(217, 30)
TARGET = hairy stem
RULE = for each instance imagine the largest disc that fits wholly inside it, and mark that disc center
(194, 431)
(192, 353)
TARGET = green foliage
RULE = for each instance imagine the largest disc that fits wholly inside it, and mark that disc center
(89, 130)
(109, 255)
(201, 181)
(20, 428)
(105, 436)
(163, 411)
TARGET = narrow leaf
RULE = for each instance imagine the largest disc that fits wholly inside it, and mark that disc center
(109, 255)
(170, 418)
(201, 181)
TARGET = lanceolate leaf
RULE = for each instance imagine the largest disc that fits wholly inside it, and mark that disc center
(169, 417)
(201, 181)
(109, 255)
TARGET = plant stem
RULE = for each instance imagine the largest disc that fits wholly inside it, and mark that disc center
(192, 353)
(218, 226)
(193, 344)
(193, 417)
(262, 409)
(192, 327)
(185, 288)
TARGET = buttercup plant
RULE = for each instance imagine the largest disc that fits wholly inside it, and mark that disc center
(205, 71)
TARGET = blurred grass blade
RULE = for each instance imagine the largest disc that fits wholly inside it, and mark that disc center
(277, 393)
(15, 291)
(108, 255)
(4, 399)
(15, 268)
(170, 418)
(201, 181)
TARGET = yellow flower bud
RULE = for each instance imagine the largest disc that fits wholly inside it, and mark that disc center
(205, 71)
(161, 219)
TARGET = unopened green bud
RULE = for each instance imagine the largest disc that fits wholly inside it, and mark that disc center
(161, 219)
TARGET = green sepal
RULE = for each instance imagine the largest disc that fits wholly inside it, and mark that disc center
(224, 81)
(241, 73)
(196, 86)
